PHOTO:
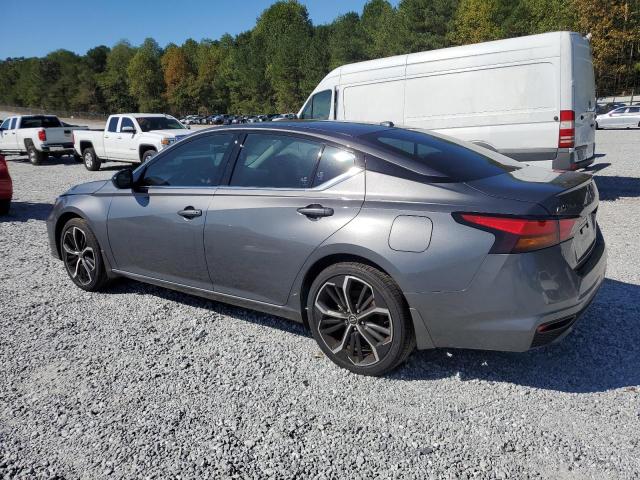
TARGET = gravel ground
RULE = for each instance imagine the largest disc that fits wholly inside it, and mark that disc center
(145, 382)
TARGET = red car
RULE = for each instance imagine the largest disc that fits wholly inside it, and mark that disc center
(6, 187)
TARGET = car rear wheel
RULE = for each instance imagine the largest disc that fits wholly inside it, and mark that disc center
(359, 318)
(36, 157)
(91, 161)
(4, 206)
(81, 255)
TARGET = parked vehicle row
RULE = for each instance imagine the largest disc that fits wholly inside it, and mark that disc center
(215, 215)
(226, 119)
(38, 136)
(129, 137)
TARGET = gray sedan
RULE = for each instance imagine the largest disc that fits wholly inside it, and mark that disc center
(621, 117)
(379, 239)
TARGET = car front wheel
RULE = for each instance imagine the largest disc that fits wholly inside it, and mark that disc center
(91, 161)
(81, 255)
(359, 318)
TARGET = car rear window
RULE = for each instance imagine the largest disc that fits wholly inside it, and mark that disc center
(40, 122)
(450, 159)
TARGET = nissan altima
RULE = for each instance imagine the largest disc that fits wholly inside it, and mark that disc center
(379, 239)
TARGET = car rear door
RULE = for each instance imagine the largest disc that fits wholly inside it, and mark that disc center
(279, 205)
(632, 117)
(155, 230)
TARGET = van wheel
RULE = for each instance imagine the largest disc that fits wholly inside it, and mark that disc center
(359, 318)
(148, 155)
(36, 157)
(91, 161)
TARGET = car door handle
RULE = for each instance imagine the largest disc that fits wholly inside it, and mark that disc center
(316, 211)
(190, 212)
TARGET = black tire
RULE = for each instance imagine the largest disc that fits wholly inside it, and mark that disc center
(80, 252)
(148, 155)
(90, 159)
(347, 340)
(36, 157)
(4, 206)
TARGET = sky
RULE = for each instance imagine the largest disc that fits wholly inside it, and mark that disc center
(37, 27)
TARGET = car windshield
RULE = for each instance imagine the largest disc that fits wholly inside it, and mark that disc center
(40, 122)
(455, 161)
(148, 124)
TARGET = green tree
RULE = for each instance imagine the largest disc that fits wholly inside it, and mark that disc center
(145, 77)
(347, 42)
(382, 29)
(114, 81)
(426, 23)
(479, 21)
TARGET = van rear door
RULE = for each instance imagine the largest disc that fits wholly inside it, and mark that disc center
(584, 98)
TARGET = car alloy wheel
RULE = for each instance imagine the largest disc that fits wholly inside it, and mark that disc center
(355, 323)
(88, 160)
(79, 257)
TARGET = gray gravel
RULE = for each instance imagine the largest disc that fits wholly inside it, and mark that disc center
(145, 382)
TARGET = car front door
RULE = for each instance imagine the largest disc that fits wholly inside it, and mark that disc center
(127, 142)
(632, 117)
(110, 139)
(155, 229)
(8, 140)
(615, 118)
(280, 204)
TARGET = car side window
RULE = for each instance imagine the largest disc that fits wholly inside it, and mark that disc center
(5, 124)
(126, 122)
(276, 161)
(14, 120)
(333, 163)
(113, 124)
(633, 110)
(198, 163)
(618, 110)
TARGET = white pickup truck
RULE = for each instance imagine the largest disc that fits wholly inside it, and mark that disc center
(38, 136)
(128, 137)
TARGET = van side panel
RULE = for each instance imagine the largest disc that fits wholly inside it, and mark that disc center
(374, 102)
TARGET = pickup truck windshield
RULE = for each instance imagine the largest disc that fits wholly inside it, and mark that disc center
(148, 124)
(40, 121)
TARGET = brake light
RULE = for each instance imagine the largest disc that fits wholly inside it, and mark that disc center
(42, 135)
(517, 235)
(567, 135)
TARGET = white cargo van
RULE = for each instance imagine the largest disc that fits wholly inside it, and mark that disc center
(531, 98)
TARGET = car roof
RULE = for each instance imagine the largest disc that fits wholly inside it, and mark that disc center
(326, 127)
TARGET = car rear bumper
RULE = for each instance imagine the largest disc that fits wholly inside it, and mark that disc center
(511, 297)
(65, 147)
(6, 190)
(575, 158)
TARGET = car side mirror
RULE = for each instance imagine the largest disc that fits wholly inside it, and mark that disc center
(128, 129)
(123, 179)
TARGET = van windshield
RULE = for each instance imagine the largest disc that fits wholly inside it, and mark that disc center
(455, 161)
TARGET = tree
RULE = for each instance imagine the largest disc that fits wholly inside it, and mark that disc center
(425, 23)
(114, 81)
(479, 21)
(381, 26)
(347, 42)
(146, 84)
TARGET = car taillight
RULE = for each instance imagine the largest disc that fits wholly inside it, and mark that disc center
(4, 170)
(42, 135)
(567, 135)
(517, 235)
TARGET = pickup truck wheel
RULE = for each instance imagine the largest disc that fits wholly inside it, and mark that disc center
(146, 156)
(36, 157)
(91, 161)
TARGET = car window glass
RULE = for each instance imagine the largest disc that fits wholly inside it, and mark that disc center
(333, 163)
(14, 120)
(40, 122)
(126, 122)
(618, 110)
(5, 124)
(198, 163)
(306, 113)
(275, 161)
(633, 110)
(113, 124)
(455, 161)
